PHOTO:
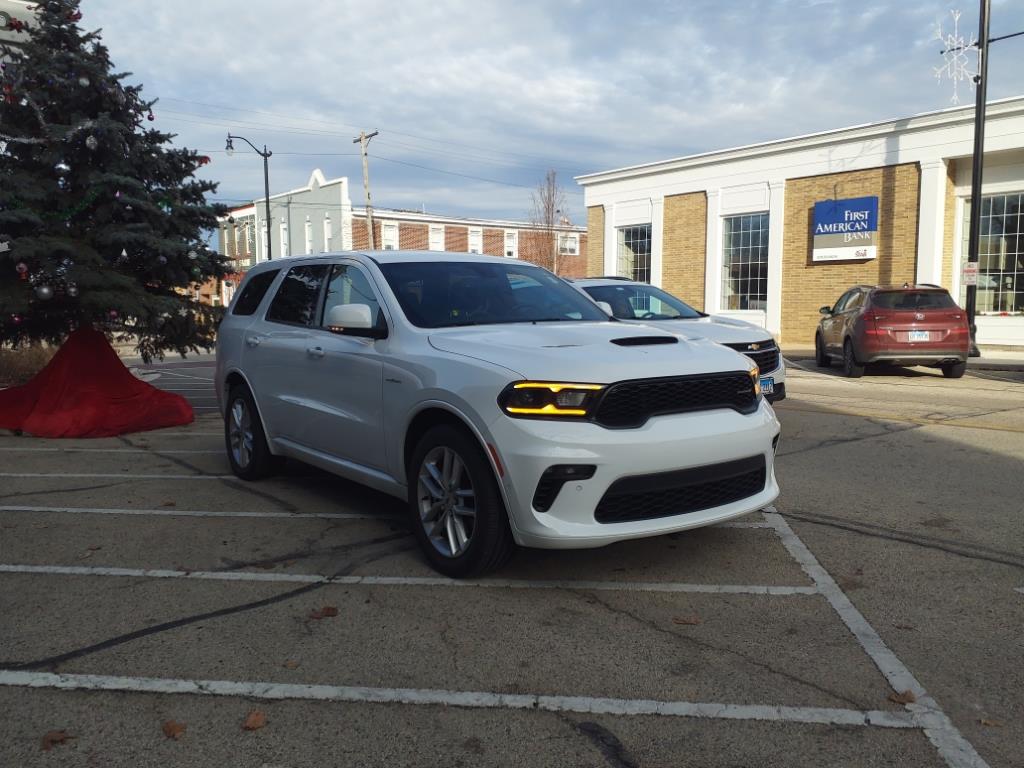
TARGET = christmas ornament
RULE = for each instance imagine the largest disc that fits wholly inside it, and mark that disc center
(16, 319)
(117, 195)
(72, 290)
(22, 269)
(92, 143)
(151, 117)
(193, 255)
(44, 292)
(162, 259)
(113, 314)
(83, 81)
(196, 271)
(203, 159)
(124, 253)
(4, 246)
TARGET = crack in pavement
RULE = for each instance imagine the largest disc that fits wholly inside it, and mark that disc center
(302, 554)
(173, 459)
(594, 598)
(887, 429)
(56, 491)
(239, 485)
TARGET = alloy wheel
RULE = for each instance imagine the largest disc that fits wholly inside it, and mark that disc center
(447, 501)
(240, 435)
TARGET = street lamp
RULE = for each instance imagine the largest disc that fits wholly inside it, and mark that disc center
(265, 154)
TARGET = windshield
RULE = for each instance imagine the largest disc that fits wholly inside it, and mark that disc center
(912, 300)
(442, 294)
(642, 302)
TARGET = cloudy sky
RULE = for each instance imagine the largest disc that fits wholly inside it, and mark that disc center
(475, 99)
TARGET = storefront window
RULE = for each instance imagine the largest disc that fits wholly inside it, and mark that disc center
(1000, 254)
(634, 253)
(745, 261)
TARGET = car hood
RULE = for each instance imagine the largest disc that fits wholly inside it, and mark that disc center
(723, 330)
(587, 352)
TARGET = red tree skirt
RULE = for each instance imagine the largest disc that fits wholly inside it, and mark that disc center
(86, 391)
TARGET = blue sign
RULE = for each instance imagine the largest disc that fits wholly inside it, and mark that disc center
(845, 229)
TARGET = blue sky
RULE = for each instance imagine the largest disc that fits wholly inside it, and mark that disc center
(474, 100)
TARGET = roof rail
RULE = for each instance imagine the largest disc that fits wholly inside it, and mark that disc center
(610, 277)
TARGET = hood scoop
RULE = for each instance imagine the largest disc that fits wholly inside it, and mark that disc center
(644, 341)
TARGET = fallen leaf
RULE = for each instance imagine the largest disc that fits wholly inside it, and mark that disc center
(94, 547)
(54, 737)
(689, 621)
(907, 697)
(173, 729)
(990, 723)
(170, 504)
(254, 720)
(910, 627)
(290, 664)
(328, 611)
(84, 555)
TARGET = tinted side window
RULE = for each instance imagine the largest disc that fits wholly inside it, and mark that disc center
(253, 293)
(296, 299)
(841, 304)
(348, 285)
(854, 301)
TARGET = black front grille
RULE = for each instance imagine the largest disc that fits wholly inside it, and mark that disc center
(766, 357)
(646, 497)
(632, 403)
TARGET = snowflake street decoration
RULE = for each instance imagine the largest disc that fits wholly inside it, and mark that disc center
(957, 66)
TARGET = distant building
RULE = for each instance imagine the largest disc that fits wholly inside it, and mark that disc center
(319, 218)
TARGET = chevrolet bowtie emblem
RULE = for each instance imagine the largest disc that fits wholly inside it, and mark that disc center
(753, 347)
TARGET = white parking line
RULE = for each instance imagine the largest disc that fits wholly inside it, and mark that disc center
(944, 736)
(163, 372)
(122, 475)
(413, 581)
(171, 512)
(473, 699)
(109, 450)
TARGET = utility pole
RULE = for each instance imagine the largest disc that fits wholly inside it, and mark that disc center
(362, 140)
(977, 166)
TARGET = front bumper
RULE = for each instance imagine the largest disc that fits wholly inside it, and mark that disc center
(666, 443)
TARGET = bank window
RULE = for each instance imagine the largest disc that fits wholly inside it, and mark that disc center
(436, 237)
(327, 233)
(511, 244)
(568, 244)
(250, 238)
(285, 250)
(1000, 254)
(634, 253)
(476, 240)
(389, 236)
(309, 235)
(745, 261)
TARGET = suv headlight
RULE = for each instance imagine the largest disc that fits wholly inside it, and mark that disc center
(755, 375)
(544, 399)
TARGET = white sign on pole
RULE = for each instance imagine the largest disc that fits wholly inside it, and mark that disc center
(970, 273)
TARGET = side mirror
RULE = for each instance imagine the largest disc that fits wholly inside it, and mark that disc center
(825, 311)
(353, 320)
(604, 305)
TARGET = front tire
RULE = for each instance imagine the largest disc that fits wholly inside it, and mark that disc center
(851, 368)
(458, 516)
(820, 358)
(246, 442)
(954, 370)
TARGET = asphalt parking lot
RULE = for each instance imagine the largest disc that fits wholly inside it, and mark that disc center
(873, 617)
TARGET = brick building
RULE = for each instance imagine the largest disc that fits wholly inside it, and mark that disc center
(744, 232)
(320, 217)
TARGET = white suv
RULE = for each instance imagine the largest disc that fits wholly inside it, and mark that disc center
(503, 405)
(632, 301)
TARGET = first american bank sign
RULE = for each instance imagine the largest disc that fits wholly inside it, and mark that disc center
(845, 229)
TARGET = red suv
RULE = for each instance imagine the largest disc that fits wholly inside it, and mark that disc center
(908, 325)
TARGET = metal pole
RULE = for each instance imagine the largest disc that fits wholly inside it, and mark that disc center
(977, 166)
(266, 190)
(363, 140)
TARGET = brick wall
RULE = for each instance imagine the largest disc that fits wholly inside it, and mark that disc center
(574, 266)
(413, 237)
(494, 242)
(595, 241)
(536, 247)
(807, 285)
(456, 239)
(949, 226)
(360, 242)
(684, 247)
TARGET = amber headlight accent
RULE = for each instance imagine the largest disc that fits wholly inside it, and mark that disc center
(542, 399)
(755, 375)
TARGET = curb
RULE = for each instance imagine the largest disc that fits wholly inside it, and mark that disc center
(974, 363)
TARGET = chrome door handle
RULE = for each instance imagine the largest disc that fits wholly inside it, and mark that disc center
(315, 351)
(253, 341)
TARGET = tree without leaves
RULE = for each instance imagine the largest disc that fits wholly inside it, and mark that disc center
(101, 221)
(548, 209)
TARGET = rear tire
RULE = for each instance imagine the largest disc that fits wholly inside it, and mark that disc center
(820, 358)
(458, 516)
(244, 438)
(851, 368)
(954, 370)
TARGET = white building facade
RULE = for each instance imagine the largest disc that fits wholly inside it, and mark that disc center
(737, 232)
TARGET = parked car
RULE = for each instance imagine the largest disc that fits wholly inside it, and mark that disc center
(637, 302)
(905, 325)
(501, 404)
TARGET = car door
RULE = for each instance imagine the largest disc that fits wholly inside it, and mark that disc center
(851, 310)
(274, 354)
(830, 324)
(344, 374)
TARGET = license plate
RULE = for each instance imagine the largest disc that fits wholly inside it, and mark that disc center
(918, 336)
(767, 385)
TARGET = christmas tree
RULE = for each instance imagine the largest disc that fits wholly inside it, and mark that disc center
(102, 221)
